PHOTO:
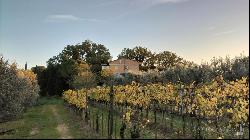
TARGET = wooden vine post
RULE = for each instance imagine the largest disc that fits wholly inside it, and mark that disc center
(86, 109)
(110, 115)
(182, 109)
(97, 121)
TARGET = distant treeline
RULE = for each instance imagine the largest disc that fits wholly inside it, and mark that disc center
(79, 66)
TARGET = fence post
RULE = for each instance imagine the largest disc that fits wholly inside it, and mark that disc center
(97, 121)
(122, 130)
(155, 117)
(86, 110)
(115, 127)
(182, 109)
(102, 124)
(110, 116)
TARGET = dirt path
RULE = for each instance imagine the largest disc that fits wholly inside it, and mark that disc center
(62, 128)
(34, 131)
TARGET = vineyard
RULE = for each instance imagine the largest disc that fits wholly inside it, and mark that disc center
(124, 69)
(219, 109)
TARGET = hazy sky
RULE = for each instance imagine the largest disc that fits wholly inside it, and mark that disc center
(197, 30)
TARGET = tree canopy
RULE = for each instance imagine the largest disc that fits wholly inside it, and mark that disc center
(161, 61)
(80, 66)
(63, 70)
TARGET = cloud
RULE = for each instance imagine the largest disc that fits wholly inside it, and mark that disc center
(138, 6)
(93, 20)
(52, 18)
(150, 3)
(224, 32)
(169, 1)
(136, 2)
(67, 18)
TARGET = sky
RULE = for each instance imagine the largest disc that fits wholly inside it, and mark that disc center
(197, 30)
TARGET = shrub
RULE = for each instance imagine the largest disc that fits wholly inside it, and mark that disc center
(31, 88)
(18, 89)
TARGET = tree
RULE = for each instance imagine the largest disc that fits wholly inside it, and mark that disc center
(41, 78)
(55, 83)
(150, 62)
(62, 70)
(84, 78)
(167, 59)
(92, 53)
(31, 88)
(127, 53)
(96, 55)
(139, 54)
(240, 67)
(18, 90)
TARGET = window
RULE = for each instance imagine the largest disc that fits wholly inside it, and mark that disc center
(126, 67)
(105, 67)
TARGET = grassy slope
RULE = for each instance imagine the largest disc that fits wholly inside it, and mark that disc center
(39, 122)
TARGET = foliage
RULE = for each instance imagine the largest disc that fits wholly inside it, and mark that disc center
(161, 61)
(84, 78)
(106, 73)
(166, 60)
(41, 78)
(175, 68)
(62, 72)
(134, 122)
(68, 70)
(18, 89)
(140, 54)
(77, 98)
(230, 69)
(214, 101)
(31, 89)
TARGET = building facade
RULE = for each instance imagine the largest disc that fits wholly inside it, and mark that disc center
(121, 66)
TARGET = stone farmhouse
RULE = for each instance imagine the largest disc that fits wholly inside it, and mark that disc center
(121, 66)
